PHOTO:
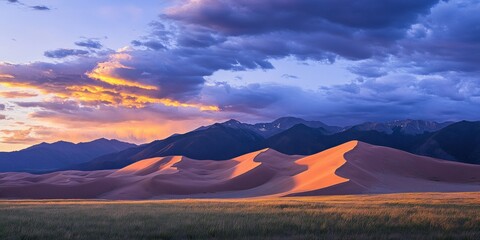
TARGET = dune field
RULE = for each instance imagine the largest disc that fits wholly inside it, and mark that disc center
(351, 168)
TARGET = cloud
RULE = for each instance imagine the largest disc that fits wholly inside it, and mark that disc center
(6, 76)
(34, 7)
(89, 43)
(40, 8)
(17, 136)
(63, 53)
(450, 39)
(319, 28)
(48, 78)
(149, 44)
(2, 107)
(289, 76)
(441, 42)
(253, 17)
(17, 94)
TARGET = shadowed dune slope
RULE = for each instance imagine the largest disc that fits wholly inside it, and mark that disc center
(351, 168)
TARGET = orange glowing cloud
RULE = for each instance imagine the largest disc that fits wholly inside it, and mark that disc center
(91, 94)
(6, 76)
(95, 94)
(172, 103)
(105, 72)
(17, 136)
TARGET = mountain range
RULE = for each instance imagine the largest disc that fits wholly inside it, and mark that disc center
(458, 142)
(409, 126)
(58, 155)
(269, 129)
(226, 140)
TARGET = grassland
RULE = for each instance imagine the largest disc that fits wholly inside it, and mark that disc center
(397, 216)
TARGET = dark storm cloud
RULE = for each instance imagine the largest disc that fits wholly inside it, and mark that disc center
(63, 53)
(449, 39)
(446, 40)
(89, 43)
(253, 17)
(316, 30)
(397, 97)
(446, 35)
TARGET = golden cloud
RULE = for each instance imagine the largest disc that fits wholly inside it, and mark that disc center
(105, 72)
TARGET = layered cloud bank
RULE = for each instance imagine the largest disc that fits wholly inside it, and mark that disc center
(413, 59)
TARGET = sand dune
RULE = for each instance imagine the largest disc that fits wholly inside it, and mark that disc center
(350, 168)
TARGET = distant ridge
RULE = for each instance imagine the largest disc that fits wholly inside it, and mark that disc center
(267, 130)
(408, 126)
(458, 142)
(58, 155)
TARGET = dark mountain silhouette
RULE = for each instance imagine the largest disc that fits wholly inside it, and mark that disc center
(408, 126)
(217, 142)
(285, 123)
(304, 140)
(458, 142)
(269, 129)
(58, 155)
(300, 139)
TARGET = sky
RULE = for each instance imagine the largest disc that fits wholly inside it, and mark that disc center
(142, 70)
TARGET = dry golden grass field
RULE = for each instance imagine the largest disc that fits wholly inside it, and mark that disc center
(395, 216)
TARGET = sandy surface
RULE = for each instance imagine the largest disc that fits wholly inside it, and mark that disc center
(350, 168)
